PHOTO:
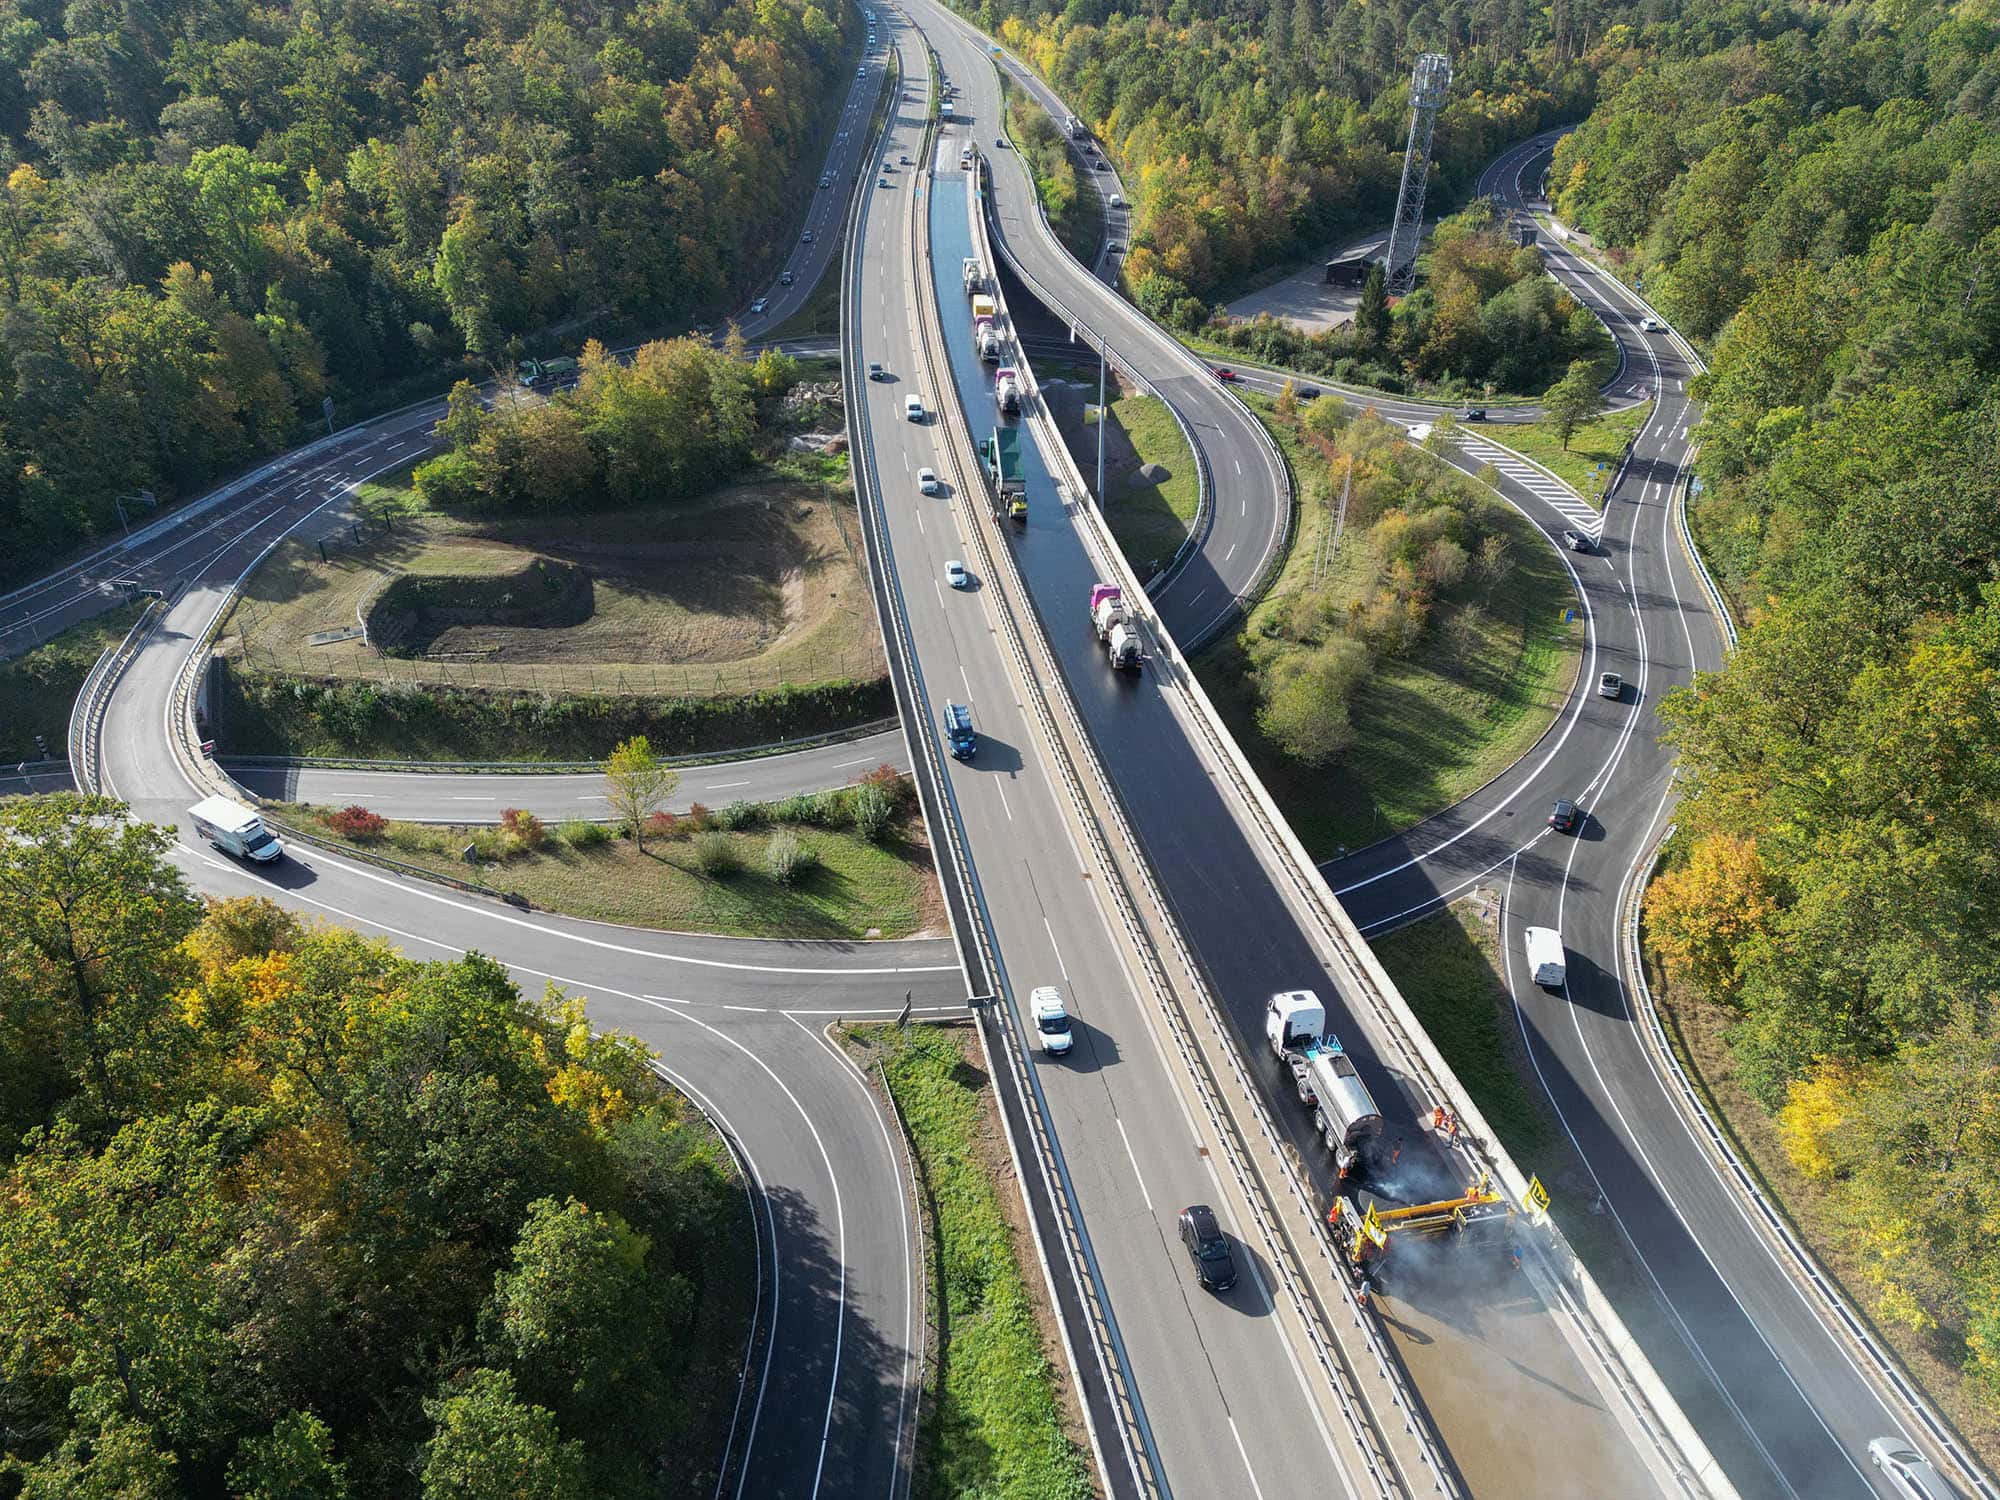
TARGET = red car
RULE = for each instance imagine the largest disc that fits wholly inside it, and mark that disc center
(1223, 372)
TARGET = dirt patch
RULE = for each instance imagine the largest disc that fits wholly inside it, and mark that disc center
(758, 586)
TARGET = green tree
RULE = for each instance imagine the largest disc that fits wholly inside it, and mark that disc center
(1371, 314)
(1573, 400)
(637, 784)
(294, 1461)
(90, 915)
(488, 1445)
(464, 416)
(1303, 710)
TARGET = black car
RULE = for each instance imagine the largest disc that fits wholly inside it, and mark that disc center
(1208, 1246)
(1306, 393)
(1473, 414)
(1566, 817)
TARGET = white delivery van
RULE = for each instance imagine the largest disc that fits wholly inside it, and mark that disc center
(234, 829)
(913, 408)
(1545, 956)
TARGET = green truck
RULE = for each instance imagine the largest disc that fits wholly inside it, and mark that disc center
(1003, 472)
(538, 372)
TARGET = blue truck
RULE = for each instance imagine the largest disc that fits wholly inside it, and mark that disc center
(958, 730)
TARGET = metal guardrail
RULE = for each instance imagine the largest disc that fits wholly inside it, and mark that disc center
(1007, 1047)
(1625, 1366)
(1766, 1216)
(86, 715)
(1294, 1282)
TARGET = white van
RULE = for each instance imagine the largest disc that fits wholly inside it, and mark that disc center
(1546, 959)
(913, 408)
(234, 829)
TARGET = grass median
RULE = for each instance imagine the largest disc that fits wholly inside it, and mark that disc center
(38, 688)
(698, 878)
(996, 1419)
(1438, 712)
(1591, 460)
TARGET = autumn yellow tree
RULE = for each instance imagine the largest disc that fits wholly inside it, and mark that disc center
(1700, 915)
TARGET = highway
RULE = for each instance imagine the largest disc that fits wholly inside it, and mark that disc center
(1247, 526)
(1226, 1401)
(1779, 1397)
(1784, 1402)
(1226, 1410)
(1220, 890)
(829, 1387)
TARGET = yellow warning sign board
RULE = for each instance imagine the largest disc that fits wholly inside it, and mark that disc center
(1372, 1227)
(1538, 1196)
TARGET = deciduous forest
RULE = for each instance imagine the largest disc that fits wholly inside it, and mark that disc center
(213, 215)
(1254, 133)
(289, 1215)
(1814, 192)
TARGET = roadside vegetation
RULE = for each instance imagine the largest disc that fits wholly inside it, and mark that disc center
(997, 1419)
(1828, 912)
(1448, 967)
(1484, 320)
(1589, 463)
(215, 226)
(571, 571)
(1252, 136)
(1383, 679)
(289, 1214)
(39, 687)
(1069, 197)
(849, 863)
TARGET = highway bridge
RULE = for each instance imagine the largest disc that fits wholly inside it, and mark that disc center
(1108, 840)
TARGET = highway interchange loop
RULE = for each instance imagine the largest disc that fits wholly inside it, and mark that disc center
(829, 1386)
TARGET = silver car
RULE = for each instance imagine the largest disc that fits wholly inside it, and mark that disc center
(1908, 1471)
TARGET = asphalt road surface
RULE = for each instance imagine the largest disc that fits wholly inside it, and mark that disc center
(1776, 1395)
(829, 1389)
(480, 796)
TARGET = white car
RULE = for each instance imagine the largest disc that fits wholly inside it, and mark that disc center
(927, 481)
(1117, 200)
(1051, 1020)
(760, 304)
(956, 576)
(913, 408)
(1909, 1472)
(1649, 325)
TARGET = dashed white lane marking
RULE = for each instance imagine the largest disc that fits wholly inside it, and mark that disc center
(1005, 805)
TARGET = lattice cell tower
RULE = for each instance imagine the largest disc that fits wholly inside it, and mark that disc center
(1428, 85)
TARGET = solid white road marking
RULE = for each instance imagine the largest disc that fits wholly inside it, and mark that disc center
(1137, 1175)
(1255, 1487)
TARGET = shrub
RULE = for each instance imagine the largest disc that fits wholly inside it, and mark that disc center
(415, 838)
(700, 819)
(891, 780)
(872, 810)
(796, 809)
(739, 814)
(789, 858)
(717, 854)
(358, 823)
(524, 827)
(664, 825)
(581, 833)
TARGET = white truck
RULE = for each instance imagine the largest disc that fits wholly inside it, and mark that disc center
(986, 339)
(1546, 959)
(1007, 389)
(1115, 628)
(972, 276)
(1324, 1075)
(234, 829)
